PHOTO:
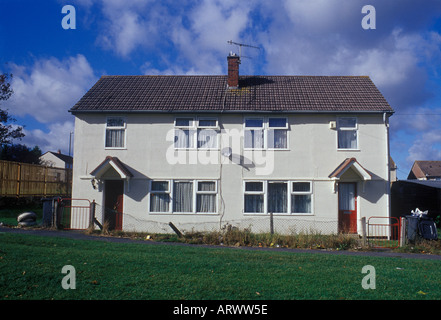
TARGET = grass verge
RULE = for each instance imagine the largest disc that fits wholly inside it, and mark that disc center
(30, 268)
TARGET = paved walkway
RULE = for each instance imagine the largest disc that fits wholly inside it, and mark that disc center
(82, 236)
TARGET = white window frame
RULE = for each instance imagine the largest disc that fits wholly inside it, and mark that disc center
(193, 201)
(168, 191)
(245, 129)
(211, 192)
(290, 192)
(215, 128)
(339, 128)
(288, 204)
(195, 188)
(263, 193)
(192, 132)
(266, 129)
(124, 127)
(310, 193)
(194, 129)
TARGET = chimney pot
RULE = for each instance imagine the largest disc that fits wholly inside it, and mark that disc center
(233, 71)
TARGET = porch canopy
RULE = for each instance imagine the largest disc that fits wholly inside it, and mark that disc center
(350, 163)
(111, 167)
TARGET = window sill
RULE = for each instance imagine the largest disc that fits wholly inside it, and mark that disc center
(279, 214)
(196, 149)
(185, 213)
(266, 149)
(114, 148)
(349, 150)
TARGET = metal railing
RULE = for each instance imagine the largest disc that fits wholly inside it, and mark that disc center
(383, 232)
(74, 214)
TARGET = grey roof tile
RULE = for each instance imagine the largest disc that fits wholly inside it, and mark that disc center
(255, 93)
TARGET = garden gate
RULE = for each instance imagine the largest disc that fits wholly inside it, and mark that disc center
(75, 214)
(383, 232)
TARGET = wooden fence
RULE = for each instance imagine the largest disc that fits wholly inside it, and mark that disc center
(26, 180)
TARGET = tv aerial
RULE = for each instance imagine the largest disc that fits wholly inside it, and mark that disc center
(240, 47)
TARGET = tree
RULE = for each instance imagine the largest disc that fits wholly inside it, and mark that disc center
(7, 131)
(20, 153)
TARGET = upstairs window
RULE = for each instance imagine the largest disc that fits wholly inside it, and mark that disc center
(193, 133)
(184, 133)
(207, 133)
(115, 132)
(277, 133)
(254, 138)
(347, 133)
(266, 133)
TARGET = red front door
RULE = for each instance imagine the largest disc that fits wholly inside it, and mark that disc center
(114, 195)
(347, 207)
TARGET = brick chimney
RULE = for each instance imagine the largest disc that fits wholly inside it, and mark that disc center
(233, 71)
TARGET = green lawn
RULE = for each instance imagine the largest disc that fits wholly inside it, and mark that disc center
(30, 268)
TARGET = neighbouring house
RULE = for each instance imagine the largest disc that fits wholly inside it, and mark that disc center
(299, 153)
(425, 170)
(56, 160)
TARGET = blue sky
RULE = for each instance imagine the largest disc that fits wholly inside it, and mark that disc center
(54, 67)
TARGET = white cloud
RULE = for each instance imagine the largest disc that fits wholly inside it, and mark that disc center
(48, 89)
(128, 25)
(427, 146)
(199, 36)
(56, 138)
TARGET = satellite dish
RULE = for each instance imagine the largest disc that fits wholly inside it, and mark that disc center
(227, 152)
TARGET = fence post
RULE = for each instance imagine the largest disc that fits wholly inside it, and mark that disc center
(363, 231)
(45, 181)
(18, 180)
(92, 214)
(54, 213)
(403, 231)
(271, 223)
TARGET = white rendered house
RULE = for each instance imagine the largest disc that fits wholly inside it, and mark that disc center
(203, 152)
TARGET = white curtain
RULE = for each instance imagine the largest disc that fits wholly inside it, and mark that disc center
(184, 138)
(277, 139)
(115, 138)
(254, 138)
(347, 139)
(207, 138)
(206, 202)
(277, 197)
(159, 202)
(346, 194)
(183, 197)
